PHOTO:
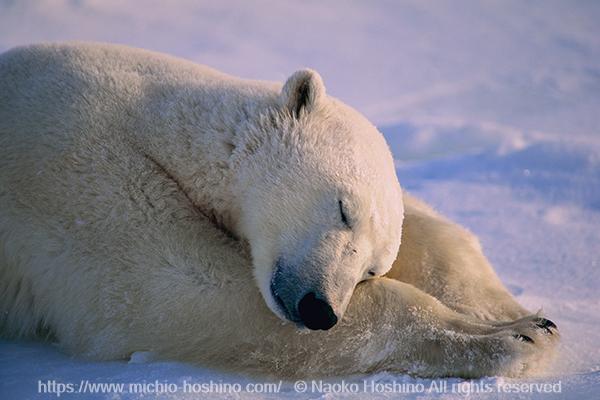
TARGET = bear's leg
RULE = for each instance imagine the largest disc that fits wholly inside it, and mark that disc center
(446, 261)
(450, 343)
(389, 325)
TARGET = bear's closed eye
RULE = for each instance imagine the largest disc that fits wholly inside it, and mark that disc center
(343, 215)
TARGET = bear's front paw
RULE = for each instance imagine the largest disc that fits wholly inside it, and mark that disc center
(541, 324)
(549, 326)
(531, 341)
(526, 329)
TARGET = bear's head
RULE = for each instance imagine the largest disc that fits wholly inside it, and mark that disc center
(321, 206)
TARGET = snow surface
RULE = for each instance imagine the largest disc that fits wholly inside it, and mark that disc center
(491, 110)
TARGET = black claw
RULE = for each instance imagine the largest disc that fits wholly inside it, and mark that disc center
(523, 338)
(546, 324)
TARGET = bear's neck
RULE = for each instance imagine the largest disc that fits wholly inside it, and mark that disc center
(191, 138)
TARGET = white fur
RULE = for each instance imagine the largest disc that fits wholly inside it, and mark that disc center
(141, 192)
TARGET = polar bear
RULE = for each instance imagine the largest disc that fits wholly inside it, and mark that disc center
(151, 204)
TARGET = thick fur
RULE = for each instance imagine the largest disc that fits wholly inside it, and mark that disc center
(151, 204)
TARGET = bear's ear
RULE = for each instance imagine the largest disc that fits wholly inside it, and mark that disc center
(302, 91)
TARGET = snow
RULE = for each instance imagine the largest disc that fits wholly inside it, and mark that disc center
(491, 111)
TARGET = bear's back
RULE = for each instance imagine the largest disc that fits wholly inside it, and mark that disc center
(53, 96)
(57, 62)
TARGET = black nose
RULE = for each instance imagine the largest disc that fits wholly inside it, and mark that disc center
(316, 313)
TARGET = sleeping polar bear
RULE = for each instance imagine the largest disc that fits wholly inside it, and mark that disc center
(151, 204)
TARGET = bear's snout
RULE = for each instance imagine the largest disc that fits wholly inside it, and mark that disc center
(316, 313)
(301, 298)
